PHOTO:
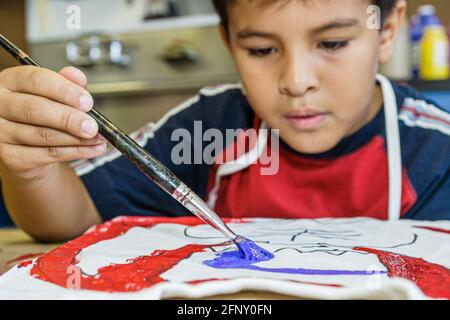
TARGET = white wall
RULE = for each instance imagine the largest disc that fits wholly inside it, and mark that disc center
(47, 19)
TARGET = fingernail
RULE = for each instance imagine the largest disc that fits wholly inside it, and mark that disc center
(100, 148)
(86, 102)
(89, 127)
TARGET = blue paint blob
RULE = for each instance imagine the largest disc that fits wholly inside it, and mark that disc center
(250, 253)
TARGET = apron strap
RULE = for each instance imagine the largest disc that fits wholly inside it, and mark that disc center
(393, 148)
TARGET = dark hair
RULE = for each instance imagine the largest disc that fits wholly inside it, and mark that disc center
(221, 7)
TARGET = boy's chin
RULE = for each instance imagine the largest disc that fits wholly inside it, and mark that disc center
(311, 146)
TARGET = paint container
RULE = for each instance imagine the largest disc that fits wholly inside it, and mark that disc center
(425, 16)
(434, 51)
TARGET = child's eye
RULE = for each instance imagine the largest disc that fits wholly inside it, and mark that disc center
(263, 52)
(333, 45)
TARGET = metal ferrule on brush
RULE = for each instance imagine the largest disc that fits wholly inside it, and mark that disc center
(197, 206)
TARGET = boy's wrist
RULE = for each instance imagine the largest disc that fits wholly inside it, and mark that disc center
(30, 178)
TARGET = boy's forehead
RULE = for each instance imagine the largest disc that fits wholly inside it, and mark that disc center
(261, 4)
(311, 14)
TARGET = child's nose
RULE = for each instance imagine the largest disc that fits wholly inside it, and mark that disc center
(297, 75)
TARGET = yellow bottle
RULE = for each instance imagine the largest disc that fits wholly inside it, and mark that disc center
(434, 49)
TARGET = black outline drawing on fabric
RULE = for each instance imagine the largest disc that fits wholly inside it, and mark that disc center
(308, 247)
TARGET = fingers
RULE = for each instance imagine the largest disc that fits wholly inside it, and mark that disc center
(22, 158)
(39, 111)
(46, 83)
(28, 135)
(75, 75)
(43, 119)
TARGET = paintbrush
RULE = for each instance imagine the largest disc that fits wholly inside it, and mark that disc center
(147, 163)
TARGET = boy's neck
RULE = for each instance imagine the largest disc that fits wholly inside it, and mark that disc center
(375, 104)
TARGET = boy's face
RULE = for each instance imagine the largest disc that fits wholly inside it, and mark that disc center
(308, 67)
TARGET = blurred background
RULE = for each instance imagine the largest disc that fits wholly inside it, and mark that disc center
(143, 57)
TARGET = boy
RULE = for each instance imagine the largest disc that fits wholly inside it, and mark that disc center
(308, 70)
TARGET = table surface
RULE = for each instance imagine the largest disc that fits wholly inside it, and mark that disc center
(15, 243)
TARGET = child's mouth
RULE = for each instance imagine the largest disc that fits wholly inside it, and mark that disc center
(307, 120)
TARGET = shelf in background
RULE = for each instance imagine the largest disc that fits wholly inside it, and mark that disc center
(421, 85)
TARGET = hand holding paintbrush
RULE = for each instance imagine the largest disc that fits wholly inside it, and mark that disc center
(62, 118)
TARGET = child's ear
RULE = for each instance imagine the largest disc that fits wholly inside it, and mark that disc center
(390, 31)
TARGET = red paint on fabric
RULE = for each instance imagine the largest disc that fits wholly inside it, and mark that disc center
(433, 229)
(25, 256)
(194, 282)
(138, 273)
(25, 263)
(433, 279)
